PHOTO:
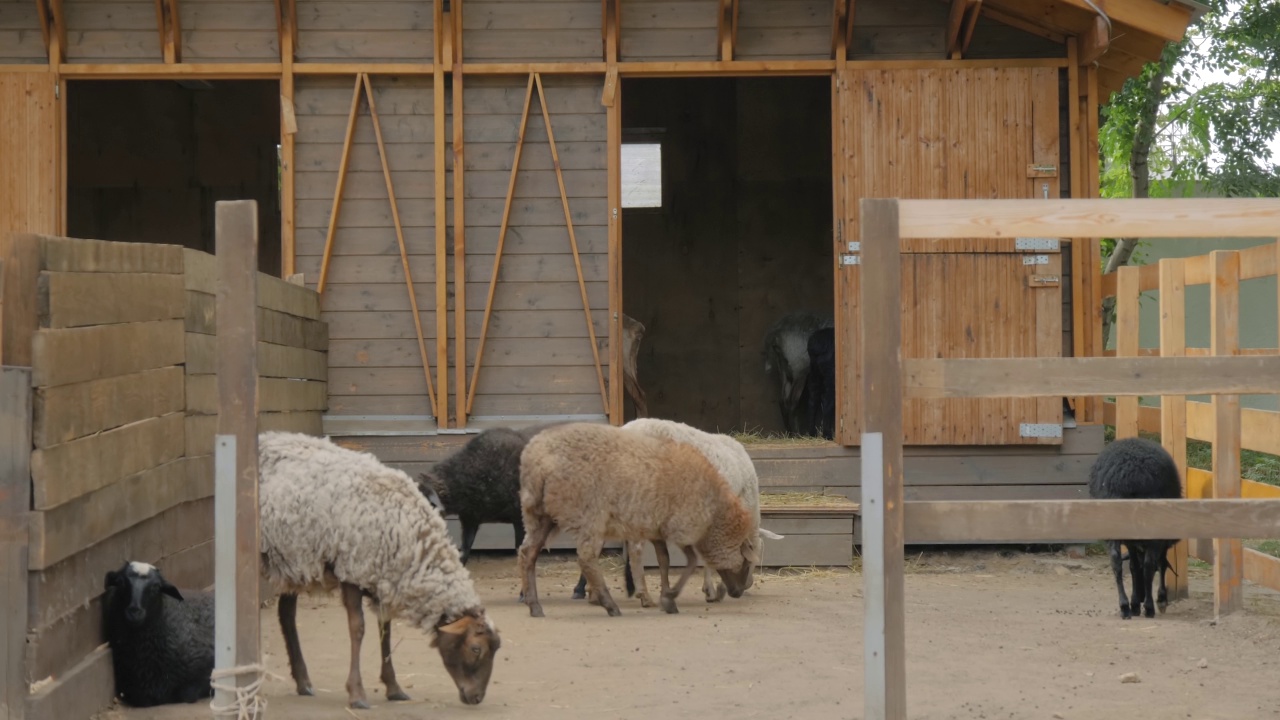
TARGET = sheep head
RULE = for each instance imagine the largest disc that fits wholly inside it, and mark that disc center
(467, 646)
(434, 488)
(143, 585)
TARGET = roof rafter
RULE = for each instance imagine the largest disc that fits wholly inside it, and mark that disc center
(53, 29)
(1164, 21)
(287, 28)
(727, 29)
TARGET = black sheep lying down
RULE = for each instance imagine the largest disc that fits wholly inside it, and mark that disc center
(1137, 469)
(161, 640)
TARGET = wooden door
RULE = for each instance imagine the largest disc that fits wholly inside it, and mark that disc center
(30, 155)
(969, 132)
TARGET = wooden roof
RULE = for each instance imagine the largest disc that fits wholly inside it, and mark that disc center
(1136, 35)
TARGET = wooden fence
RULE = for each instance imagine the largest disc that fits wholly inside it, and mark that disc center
(889, 523)
(106, 435)
(1221, 422)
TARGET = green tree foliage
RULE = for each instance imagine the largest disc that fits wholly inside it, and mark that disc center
(1202, 117)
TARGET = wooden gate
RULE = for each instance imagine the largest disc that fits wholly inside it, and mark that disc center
(973, 132)
(30, 149)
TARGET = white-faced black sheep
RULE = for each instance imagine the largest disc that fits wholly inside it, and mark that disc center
(161, 640)
(786, 357)
(821, 382)
(1137, 469)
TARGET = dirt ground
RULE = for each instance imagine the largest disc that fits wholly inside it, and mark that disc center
(989, 635)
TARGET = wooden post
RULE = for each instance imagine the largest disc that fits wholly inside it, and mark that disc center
(236, 232)
(1173, 408)
(15, 500)
(1228, 554)
(880, 343)
(1127, 319)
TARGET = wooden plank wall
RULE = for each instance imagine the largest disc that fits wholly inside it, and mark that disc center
(228, 31)
(383, 30)
(20, 38)
(374, 356)
(110, 480)
(668, 30)
(121, 436)
(531, 31)
(538, 358)
(783, 29)
(292, 364)
(30, 122)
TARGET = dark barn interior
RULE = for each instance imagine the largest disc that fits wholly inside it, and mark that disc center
(742, 237)
(147, 159)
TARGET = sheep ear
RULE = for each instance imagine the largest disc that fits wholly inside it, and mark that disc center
(112, 579)
(457, 627)
(171, 591)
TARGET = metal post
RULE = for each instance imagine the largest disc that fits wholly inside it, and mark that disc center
(224, 554)
(873, 595)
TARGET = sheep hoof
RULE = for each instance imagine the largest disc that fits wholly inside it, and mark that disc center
(1149, 612)
(1162, 606)
(359, 705)
(536, 611)
(721, 590)
(613, 611)
(669, 605)
(397, 696)
(645, 600)
(306, 690)
(578, 595)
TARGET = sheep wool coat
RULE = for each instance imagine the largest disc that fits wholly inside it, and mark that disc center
(324, 507)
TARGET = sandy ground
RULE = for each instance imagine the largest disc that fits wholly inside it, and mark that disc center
(989, 635)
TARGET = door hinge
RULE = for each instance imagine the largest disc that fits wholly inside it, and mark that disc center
(1035, 259)
(1038, 243)
(1038, 170)
(849, 259)
(1040, 430)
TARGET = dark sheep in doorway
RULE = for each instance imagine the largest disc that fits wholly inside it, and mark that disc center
(821, 382)
(786, 357)
(1137, 469)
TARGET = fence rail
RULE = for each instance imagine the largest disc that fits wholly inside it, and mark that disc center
(887, 379)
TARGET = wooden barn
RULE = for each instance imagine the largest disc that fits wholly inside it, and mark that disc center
(481, 189)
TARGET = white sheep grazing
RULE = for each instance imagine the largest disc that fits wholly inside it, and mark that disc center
(734, 463)
(332, 516)
(600, 482)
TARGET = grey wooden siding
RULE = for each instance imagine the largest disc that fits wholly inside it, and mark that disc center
(538, 357)
(375, 366)
(212, 31)
(668, 30)
(377, 30)
(20, 38)
(531, 30)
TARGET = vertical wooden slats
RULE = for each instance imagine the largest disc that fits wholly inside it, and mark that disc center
(461, 408)
(442, 49)
(1127, 313)
(1173, 408)
(1224, 270)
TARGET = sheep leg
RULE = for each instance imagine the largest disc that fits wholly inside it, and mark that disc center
(1162, 600)
(1150, 565)
(713, 590)
(580, 590)
(1117, 568)
(287, 611)
(527, 563)
(664, 563)
(588, 556)
(1137, 575)
(691, 566)
(469, 530)
(518, 528)
(635, 552)
(351, 599)
(394, 692)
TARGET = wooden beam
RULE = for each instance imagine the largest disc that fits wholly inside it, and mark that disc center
(15, 499)
(1173, 408)
(1224, 330)
(459, 228)
(372, 69)
(726, 29)
(1055, 35)
(1043, 521)
(1128, 312)
(613, 190)
(160, 71)
(970, 23)
(236, 233)
(573, 241)
(880, 341)
(1095, 376)
(170, 27)
(848, 24)
(1168, 21)
(336, 209)
(1094, 41)
(955, 27)
(287, 27)
(53, 29)
(443, 60)
(1087, 218)
(404, 253)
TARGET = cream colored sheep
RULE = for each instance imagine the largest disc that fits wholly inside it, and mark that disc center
(601, 482)
(332, 516)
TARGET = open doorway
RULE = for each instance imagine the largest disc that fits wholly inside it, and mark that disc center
(147, 159)
(727, 227)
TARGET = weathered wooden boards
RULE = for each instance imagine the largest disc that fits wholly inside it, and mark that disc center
(120, 412)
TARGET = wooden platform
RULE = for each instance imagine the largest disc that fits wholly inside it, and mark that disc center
(825, 536)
